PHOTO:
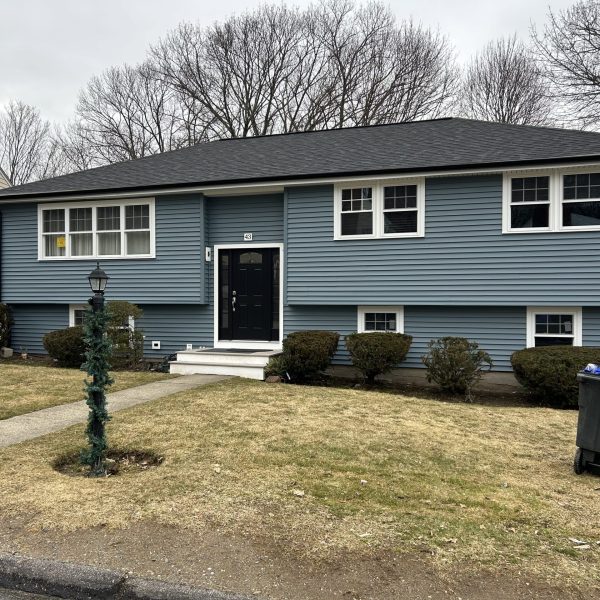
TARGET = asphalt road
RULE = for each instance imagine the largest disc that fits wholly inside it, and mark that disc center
(12, 595)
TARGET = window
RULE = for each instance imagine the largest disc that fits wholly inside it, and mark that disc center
(530, 202)
(380, 209)
(357, 211)
(380, 318)
(108, 230)
(551, 200)
(581, 200)
(77, 314)
(554, 327)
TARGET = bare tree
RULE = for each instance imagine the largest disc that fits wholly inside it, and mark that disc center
(26, 150)
(278, 69)
(123, 114)
(504, 84)
(569, 50)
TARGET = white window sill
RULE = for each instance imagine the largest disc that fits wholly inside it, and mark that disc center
(97, 258)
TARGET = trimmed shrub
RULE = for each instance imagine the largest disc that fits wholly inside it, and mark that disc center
(127, 341)
(66, 346)
(456, 364)
(305, 355)
(549, 373)
(6, 323)
(376, 353)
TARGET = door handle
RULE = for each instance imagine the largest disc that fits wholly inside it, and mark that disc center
(233, 300)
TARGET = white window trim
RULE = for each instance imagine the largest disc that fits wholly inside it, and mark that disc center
(556, 199)
(362, 310)
(94, 205)
(378, 214)
(576, 312)
(72, 309)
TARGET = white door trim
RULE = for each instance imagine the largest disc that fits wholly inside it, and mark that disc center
(241, 344)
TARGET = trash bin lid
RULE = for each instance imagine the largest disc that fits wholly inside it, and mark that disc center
(581, 376)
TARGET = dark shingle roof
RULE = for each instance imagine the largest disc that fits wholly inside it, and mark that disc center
(404, 147)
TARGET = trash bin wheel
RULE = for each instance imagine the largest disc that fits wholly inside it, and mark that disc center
(579, 462)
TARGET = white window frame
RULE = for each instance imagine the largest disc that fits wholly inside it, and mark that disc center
(72, 309)
(555, 194)
(94, 205)
(378, 208)
(575, 312)
(363, 310)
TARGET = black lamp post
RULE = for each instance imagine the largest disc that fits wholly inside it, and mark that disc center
(97, 355)
(98, 280)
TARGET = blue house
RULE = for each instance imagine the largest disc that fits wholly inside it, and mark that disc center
(433, 228)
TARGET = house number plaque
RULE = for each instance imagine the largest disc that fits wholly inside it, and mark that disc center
(247, 237)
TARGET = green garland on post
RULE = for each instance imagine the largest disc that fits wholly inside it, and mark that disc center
(97, 367)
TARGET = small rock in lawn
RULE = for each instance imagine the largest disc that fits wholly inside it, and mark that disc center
(299, 493)
(363, 482)
(583, 547)
(217, 469)
(273, 379)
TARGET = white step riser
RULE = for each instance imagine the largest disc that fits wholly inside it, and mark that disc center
(187, 368)
(202, 358)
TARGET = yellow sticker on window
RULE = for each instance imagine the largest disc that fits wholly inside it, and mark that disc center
(60, 242)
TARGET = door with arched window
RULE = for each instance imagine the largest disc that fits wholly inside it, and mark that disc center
(249, 294)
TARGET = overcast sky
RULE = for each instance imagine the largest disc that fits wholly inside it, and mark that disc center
(50, 48)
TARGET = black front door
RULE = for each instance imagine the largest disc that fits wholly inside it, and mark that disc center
(249, 294)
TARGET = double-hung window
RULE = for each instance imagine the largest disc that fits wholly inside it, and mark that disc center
(357, 211)
(554, 326)
(552, 200)
(379, 209)
(530, 206)
(580, 200)
(104, 230)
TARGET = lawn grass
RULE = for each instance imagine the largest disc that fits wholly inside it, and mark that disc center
(25, 388)
(326, 470)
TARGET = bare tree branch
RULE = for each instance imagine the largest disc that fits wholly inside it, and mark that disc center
(568, 49)
(503, 83)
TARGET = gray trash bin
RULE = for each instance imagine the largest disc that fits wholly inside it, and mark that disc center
(588, 424)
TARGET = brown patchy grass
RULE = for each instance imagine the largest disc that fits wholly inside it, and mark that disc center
(325, 470)
(25, 388)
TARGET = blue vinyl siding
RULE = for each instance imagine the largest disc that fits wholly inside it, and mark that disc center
(176, 275)
(175, 326)
(464, 259)
(500, 331)
(33, 321)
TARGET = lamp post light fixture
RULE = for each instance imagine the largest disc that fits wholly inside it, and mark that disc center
(97, 366)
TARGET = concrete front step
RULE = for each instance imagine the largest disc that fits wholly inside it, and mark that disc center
(249, 364)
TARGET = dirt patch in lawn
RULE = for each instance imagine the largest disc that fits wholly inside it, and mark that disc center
(118, 462)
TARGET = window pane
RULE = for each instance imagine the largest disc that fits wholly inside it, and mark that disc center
(251, 258)
(54, 245)
(79, 316)
(357, 223)
(108, 218)
(530, 189)
(80, 219)
(109, 244)
(137, 216)
(138, 242)
(82, 244)
(54, 221)
(581, 214)
(380, 321)
(400, 222)
(582, 186)
(529, 216)
(400, 196)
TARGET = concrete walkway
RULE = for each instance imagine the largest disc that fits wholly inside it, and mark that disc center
(48, 420)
